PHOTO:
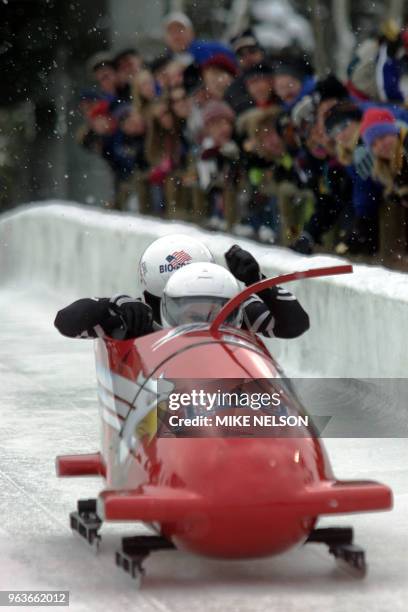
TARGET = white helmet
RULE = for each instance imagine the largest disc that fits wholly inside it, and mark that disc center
(166, 255)
(196, 294)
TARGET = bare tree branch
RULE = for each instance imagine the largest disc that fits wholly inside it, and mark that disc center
(345, 37)
(396, 10)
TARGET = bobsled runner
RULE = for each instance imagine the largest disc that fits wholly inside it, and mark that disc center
(231, 497)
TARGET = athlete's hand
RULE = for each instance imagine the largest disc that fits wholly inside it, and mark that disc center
(83, 316)
(136, 316)
(243, 265)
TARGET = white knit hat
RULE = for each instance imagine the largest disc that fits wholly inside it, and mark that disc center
(177, 17)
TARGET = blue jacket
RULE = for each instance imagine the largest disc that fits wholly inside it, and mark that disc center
(366, 194)
(389, 73)
(125, 154)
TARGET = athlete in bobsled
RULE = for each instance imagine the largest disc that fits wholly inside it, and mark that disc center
(273, 312)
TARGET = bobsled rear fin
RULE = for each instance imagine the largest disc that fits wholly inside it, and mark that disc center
(148, 504)
(80, 465)
(338, 497)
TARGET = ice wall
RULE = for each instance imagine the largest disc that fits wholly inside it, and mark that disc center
(357, 321)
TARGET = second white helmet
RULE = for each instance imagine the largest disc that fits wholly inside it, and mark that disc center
(197, 293)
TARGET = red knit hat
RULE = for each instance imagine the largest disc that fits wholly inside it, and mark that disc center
(377, 122)
(223, 62)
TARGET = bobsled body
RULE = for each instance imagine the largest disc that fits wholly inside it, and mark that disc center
(233, 497)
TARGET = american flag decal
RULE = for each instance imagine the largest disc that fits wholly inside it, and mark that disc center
(181, 257)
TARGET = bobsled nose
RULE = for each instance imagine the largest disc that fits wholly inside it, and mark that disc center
(343, 497)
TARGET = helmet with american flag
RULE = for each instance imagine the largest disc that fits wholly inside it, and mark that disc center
(166, 255)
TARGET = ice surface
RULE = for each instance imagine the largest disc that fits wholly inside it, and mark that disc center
(48, 407)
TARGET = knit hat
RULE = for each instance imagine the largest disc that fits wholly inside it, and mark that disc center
(261, 70)
(221, 61)
(177, 17)
(217, 110)
(290, 67)
(124, 53)
(377, 122)
(244, 39)
(160, 62)
(330, 88)
(99, 60)
(341, 113)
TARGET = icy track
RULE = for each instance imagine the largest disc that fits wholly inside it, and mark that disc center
(48, 407)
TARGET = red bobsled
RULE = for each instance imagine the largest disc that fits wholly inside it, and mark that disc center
(225, 497)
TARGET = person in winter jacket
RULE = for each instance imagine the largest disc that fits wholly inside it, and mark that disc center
(180, 39)
(218, 72)
(388, 143)
(162, 143)
(125, 152)
(259, 82)
(272, 182)
(102, 69)
(100, 127)
(144, 90)
(128, 63)
(378, 70)
(218, 163)
(342, 124)
(291, 81)
(249, 54)
(125, 149)
(317, 167)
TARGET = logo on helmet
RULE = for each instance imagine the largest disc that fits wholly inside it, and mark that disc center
(143, 269)
(175, 261)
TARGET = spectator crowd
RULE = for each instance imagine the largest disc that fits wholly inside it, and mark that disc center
(239, 140)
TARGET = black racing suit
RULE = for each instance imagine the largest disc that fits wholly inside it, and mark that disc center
(273, 312)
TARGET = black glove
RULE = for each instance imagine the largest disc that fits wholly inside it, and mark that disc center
(84, 315)
(137, 317)
(303, 245)
(243, 265)
(363, 238)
